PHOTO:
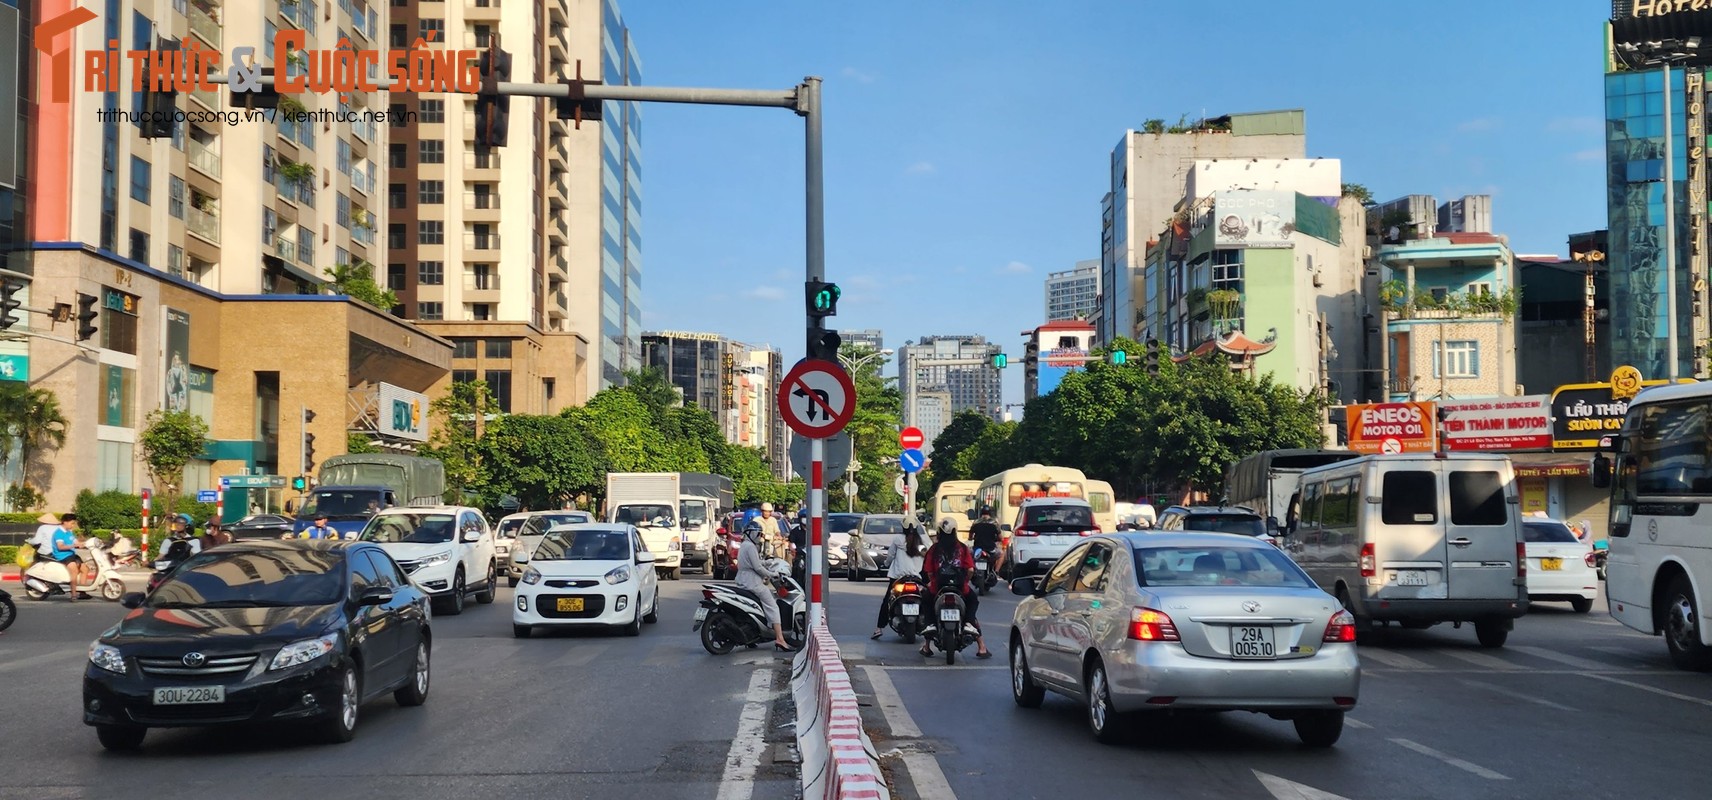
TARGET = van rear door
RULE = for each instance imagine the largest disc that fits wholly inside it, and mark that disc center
(1482, 532)
(1409, 541)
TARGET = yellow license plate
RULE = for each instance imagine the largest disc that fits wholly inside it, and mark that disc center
(1547, 564)
(570, 604)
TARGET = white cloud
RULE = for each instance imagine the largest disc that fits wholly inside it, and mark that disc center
(1016, 268)
(858, 75)
(1590, 154)
(919, 168)
(765, 293)
(1480, 125)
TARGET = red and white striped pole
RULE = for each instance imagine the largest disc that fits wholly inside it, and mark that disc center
(220, 506)
(146, 498)
(817, 528)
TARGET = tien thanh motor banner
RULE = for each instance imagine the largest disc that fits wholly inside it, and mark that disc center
(1498, 423)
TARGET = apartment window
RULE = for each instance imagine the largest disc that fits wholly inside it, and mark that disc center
(1439, 294)
(395, 276)
(395, 195)
(1480, 288)
(486, 158)
(395, 114)
(341, 256)
(433, 30)
(139, 246)
(1460, 359)
(431, 273)
(498, 348)
(483, 33)
(305, 245)
(267, 163)
(270, 223)
(430, 231)
(463, 376)
(395, 236)
(481, 311)
(175, 259)
(344, 211)
(431, 193)
(464, 348)
(398, 34)
(431, 151)
(344, 155)
(309, 17)
(397, 156)
(430, 311)
(499, 386)
(431, 111)
(482, 278)
(140, 180)
(175, 197)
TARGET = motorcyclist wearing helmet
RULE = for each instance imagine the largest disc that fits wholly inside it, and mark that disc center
(986, 537)
(950, 563)
(752, 574)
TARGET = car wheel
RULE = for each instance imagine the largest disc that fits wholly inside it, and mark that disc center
(676, 574)
(1492, 633)
(453, 605)
(1102, 720)
(521, 631)
(719, 635)
(1024, 690)
(1682, 627)
(342, 726)
(653, 614)
(485, 596)
(415, 692)
(1319, 728)
(1581, 605)
(120, 738)
(1363, 625)
(634, 627)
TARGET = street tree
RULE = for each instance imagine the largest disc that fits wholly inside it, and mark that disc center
(543, 461)
(32, 419)
(965, 429)
(169, 440)
(873, 429)
(460, 418)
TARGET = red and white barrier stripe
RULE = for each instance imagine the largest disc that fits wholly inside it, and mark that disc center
(839, 762)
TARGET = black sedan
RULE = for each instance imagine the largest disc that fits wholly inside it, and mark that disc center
(260, 526)
(261, 631)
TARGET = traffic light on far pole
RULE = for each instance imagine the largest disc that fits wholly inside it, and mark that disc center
(822, 299)
(299, 483)
(1000, 361)
(1120, 357)
(86, 315)
(9, 302)
(493, 110)
(308, 442)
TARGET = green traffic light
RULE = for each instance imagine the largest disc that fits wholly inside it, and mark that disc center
(1120, 357)
(1000, 361)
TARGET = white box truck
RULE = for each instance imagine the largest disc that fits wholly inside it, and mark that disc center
(677, 512)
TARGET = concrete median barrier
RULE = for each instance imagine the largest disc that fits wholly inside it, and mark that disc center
(838, 760)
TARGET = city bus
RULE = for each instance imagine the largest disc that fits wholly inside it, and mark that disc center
(1104, 501)
(1658, 573)
(1003, 493)
(954, 500)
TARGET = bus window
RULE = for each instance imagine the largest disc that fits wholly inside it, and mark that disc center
(1670, 454)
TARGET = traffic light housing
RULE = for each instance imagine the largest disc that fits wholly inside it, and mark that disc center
(493, 110)
(308, 452)
(822, 299)
(299, 483)
(1120, 357)
(576, 105)
(823, 344)
(1000, 361)
(86, 316)
(1153, 357)
(9, 303)
(159, 106)
(266, 97)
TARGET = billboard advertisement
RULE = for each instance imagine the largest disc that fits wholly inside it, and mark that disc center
(177, 381)
(1585, 413)
(1253, 219)
(403, 413)
(1391, 427)
(1499, 423)
(1049, 377)
(1059, 362)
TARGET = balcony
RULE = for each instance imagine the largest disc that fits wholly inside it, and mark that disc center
(1402, 384)
(285, 248)
(481, 282)
(203, 24)
(482, 11)
(205, 224)
(481, 241)
(481, 161)
(202, 157)
(481, 200)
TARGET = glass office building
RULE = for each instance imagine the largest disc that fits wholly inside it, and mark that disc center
(621, 203)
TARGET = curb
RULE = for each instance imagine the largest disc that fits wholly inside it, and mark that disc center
(839, 761)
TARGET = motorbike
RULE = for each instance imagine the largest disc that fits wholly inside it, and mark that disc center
(1600, 549)
(953, 632)
(908, 597)
(8, 611)
(984, 578)
(730, 616)
(125, 554)
(175, 552)
(47, 577)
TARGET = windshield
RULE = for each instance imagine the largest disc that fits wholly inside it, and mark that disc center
(1059, 519)
(843, 523)
(341, 503)
(957, 503)
(583, 545)
(639, 515)
(508, 528)
(409, 528)
(538, 524)
(1218, 566)
(872, 526)
(1548, 533)
(244, 579)
(1246, 524)
(693, 512)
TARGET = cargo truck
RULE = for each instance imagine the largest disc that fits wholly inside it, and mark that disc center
(677, 512)
(351, 488)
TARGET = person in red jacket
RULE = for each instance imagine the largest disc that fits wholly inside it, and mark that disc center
(951, 564)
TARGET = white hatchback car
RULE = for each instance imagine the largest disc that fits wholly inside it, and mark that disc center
(1046, 528)
(588, 574)
(448, 551)
(1560, 566)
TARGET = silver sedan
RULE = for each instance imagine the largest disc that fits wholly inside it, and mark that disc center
(1134, 623)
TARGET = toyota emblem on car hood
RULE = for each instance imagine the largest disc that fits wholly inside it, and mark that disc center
(1247, 605)
(194, 660)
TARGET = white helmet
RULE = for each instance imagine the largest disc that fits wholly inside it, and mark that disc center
(948, 527)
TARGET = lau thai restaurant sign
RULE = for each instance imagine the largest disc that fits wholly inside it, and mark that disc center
(1585, 413)
(1503, 423)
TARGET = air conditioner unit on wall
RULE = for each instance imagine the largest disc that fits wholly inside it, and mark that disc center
(1318, 280)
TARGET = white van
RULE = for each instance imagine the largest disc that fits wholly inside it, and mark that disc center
(1416, 538)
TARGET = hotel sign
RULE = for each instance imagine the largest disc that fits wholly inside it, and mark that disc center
(1641, 9)
(1694, 85)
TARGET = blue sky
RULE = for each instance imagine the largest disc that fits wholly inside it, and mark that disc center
(967, 142)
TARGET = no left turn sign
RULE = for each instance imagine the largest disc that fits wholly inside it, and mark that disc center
(816, 398)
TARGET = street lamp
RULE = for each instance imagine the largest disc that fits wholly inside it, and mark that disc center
(853, 366)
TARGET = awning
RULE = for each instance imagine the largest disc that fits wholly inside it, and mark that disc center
(1550, 465)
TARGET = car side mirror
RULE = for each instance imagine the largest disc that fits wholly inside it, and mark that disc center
(645, 557)
(1601, 471)
(472, 534)
(520, 557)
(1023, 587)
(375, 596)
(132, 600)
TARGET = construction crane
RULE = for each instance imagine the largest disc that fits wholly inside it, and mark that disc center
(1589, 315)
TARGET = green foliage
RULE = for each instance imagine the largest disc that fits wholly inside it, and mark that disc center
(32, 418)
(356, 443)
(651, 386)
(460, 415)
(543, 461)
(19, 517)
(965, 429)
(1154, 126)
(23, 495)
(8, 554)
(356, 280)
(170, 439)
(629, 432)
(1359, 193)
(1395, 298)
(109, 509)
(873, 432)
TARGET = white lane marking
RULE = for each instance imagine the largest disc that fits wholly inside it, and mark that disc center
(1283, 789)
(744, 758)
(1451, 760)
(44, 658)
(1397, 660)
(1561, 658)
(957, 667)
(581, 654)
(1356, 723)
(929, 779)
(1478, 659)
(1654, 689)
(898, 719)
(1496, 689)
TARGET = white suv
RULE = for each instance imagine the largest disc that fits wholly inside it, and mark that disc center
(1045, 529)
(448, 551)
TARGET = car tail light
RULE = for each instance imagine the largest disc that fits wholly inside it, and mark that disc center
(1521, 560)
(1094, 531)
(1025, 532)
(784, 591)
(1148, 625)
(1369, 564)
(1341, 628)
(1591, 559)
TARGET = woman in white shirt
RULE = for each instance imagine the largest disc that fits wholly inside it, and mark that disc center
(907, 559)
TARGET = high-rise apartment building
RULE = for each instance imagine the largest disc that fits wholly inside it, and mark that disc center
(1074, 293)
(733, 381)
(973, 384)
(1149, 172)
(870, 338)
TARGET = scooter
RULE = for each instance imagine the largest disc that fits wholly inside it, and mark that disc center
(47, 577)
(125, 554)
(952, 634)
(908, 597)
(8, 611)
(984, 577)
(176, 552)
(730, 616)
